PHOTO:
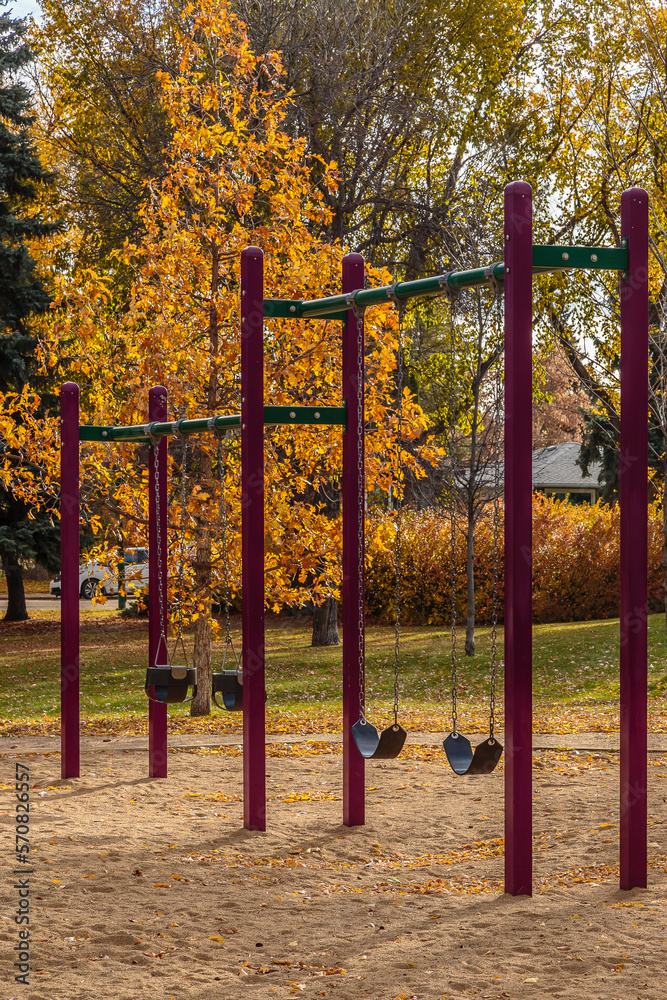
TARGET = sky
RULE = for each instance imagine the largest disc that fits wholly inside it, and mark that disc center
(20, 8)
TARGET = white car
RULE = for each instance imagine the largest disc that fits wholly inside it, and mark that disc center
(95, 578)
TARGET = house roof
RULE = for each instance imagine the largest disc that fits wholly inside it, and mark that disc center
(557, 466)
(554, 468)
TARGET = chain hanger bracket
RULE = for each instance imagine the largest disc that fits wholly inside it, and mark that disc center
(178, 433)
(351, 303)
(490, 276)
(449, 292)
(392, 295)
(148, 431)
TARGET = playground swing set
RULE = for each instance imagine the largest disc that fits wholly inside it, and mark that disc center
(166, 681)
(243, 685)
(462, 759)
(228, 681)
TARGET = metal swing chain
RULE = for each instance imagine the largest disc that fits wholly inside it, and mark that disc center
(158, 539)
(223, 539)
(225, 554)
(398, 556)
(496, 539)
(452, 511)
(362, 507)
(181, 571)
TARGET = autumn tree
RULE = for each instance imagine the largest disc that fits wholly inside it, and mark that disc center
(234, 177)
(456, 363)
(613, 86)
(558, 409)
(415, 100)
(23, 535)
(428, 109)
(102, 120)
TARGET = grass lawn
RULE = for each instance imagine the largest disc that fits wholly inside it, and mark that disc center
(575, 678)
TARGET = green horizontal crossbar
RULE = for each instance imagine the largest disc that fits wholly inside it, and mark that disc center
(601, 258)
(272, 415)
(289, 309)
(305, 415)
(545, 259)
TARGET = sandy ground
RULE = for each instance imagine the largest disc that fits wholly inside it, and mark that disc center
(152, 889)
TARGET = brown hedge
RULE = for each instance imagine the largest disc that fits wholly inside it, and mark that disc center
(575, 565)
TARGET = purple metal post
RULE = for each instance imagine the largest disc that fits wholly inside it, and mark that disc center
(353, 539)
(252, 540)
(518, 537)
(633, 489)
(69, 580)
(157, 586)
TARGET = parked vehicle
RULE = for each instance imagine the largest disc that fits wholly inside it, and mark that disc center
(96, 578)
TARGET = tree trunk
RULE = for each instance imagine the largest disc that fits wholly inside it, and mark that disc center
(664, 542)
(16, 609)
(201, 703)
(470, 577)
(325, 623)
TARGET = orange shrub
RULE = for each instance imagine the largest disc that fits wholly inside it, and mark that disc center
(575, 565)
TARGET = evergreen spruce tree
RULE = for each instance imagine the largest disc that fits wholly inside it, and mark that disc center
(22, 295)
(600, 440)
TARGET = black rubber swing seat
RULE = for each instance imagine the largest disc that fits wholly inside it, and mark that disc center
(384, 746)
(228, 684)
(463, 760)
(170, 684)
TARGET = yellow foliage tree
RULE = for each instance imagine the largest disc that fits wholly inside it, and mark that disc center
(235, 178)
